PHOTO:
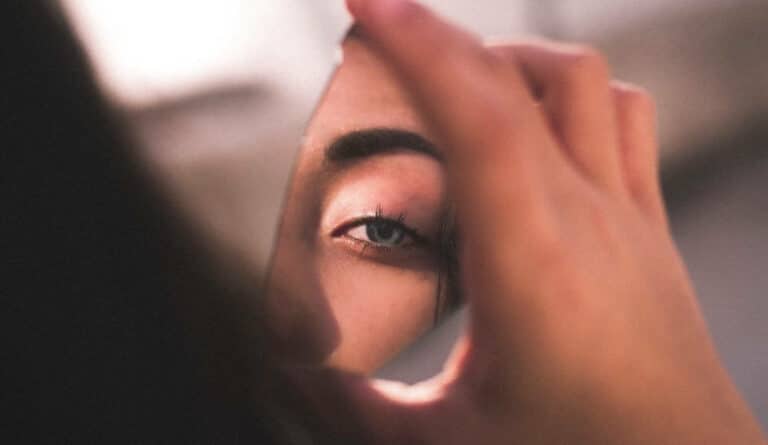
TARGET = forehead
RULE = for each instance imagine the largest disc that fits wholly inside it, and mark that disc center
(363, 94)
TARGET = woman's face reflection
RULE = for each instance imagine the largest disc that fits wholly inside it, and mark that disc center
(359, 270)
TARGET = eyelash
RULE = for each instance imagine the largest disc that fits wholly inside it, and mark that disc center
(379, 217)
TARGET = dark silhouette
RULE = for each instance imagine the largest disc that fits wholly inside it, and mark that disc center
(115, 327)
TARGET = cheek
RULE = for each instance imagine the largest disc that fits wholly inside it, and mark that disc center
(379, 310)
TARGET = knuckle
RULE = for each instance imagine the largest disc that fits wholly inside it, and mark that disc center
(584, 64)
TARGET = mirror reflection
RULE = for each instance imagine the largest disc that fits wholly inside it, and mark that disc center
(367, 225)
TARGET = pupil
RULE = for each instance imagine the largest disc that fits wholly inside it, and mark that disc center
(381, 232)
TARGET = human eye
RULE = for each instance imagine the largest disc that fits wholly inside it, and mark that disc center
(380, 232)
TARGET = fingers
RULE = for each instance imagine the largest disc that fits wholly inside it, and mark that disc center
(608, 128)
(455, 83)
(573, 84)
(636, 117)
(499, 150)
(477, 101)
(503, 162)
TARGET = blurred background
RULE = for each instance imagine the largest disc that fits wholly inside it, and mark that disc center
(183, 74)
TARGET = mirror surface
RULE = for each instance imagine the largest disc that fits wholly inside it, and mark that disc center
(366, 237)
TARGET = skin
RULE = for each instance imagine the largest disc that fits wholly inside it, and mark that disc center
(336, 296)
(584, 325)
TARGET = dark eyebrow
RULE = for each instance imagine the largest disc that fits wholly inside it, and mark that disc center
(373, 141)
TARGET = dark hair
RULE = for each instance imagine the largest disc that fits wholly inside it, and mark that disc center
(114, 327)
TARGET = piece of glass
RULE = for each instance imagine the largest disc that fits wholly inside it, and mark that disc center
(365, 260)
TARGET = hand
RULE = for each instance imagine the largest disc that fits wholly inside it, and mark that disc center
(584, 326)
